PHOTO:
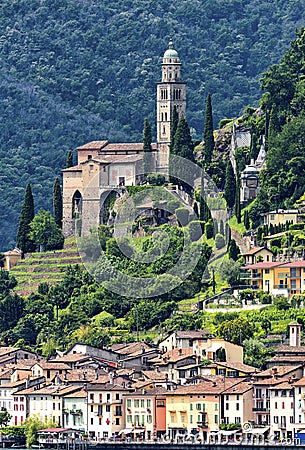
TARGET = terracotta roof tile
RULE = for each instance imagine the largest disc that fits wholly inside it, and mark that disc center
(93, 145)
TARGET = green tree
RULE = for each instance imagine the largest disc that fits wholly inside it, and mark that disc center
(5, 418)
(234, 250)
(236, 330)
(69, 161)
(229, 271)
(44, 231)
(219, 241)
(24, 242)
(174, 125)
(266, 325)
(255, 352)
(32, 425)
(230, 186)
(147, 149)
(57, 203)
(183, 145)
(208, 132)
(246, 220)
(7, 282)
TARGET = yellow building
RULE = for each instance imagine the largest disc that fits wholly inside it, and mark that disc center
(278, 278)
(280, 216)
(196, 409)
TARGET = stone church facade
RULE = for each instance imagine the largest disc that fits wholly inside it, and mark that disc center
(104, 167)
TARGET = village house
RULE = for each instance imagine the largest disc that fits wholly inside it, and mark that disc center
(173, 360)
(75, 411)
(183, 339)
(258, 254)
(282, 410)
(237, 404)
(106, 415)
(145, 412)
(196, 408)
(280, 216)
(299, 405)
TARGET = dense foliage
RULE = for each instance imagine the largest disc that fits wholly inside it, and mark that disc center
(74, 71)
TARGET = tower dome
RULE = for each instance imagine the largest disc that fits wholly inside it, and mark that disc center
(171, 53)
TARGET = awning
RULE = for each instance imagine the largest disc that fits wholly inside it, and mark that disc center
(227, 432)
(257, 430)
(126, 431)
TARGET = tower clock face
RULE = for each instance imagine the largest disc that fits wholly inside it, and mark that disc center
(252, 182)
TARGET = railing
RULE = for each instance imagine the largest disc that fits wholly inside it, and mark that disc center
(280, 286)
(262, 409)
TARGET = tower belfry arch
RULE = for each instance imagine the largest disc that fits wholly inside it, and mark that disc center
(171, 93)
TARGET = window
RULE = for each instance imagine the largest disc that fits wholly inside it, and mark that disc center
(107, 408)
(198, 406)
(191, 418)
(91, 397)
(142, 403)
(291, 420)
(148, 403)
(136, 403)
(183, 418)
(149, 418)
(237, 406)
(276, 419)
(91, 421)
(267, 271)
(117, 421)
(227, 406)
(284, 393)
(216, 418)
(191, 406)
(275, 405)
(216, 406)
(100, 421)
(276, 393)
(137, 420)
(283, 405)
(199, 418)
(128, 402)
(129, 418)
(237, 420)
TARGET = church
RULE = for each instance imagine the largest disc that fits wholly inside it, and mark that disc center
(104, 167)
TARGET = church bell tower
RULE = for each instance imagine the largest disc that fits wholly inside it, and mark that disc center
(171, 93)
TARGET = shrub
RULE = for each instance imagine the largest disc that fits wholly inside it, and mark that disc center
(219, 241)
(209, 229)
(155, 179)
(195, 229)
(183, 216)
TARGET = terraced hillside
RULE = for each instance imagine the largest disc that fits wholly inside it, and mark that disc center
(47, 267)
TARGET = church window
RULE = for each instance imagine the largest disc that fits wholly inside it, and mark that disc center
(162, 117)
(163, 130)
(165, 114)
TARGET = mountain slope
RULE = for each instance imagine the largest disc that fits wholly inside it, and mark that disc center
(77, 70)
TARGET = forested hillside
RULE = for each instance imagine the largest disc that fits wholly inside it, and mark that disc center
(77, 70)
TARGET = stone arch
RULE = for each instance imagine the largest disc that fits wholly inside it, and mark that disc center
(77, 203)
(107, 200)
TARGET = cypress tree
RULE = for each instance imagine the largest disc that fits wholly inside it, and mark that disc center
(195, 209)
(57, 203)
(205, 213)
(234, 250)
(273, 127)
(237, 203)
(24, 243)
(246, 220)
(69, 161)
(174, 125)
(147, 148)
(221, 227)
(208, 135)
(230, 186)
(183, 145)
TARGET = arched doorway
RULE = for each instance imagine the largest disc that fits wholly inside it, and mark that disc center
(76, 204)
(107, 201)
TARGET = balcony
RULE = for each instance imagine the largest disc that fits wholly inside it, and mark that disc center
(261, 409)
(256, 275)
(281, 286)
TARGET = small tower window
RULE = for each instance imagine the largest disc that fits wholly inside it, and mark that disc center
(89, 156)
(164, 130)
(165, 117)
